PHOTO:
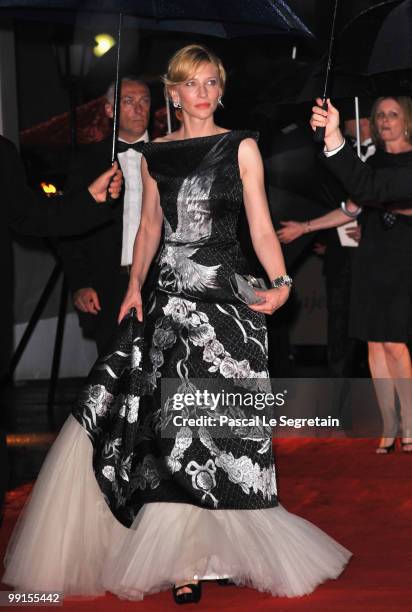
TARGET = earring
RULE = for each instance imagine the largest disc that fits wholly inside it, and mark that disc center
(219, 101)
(406, 133)
(177, 104)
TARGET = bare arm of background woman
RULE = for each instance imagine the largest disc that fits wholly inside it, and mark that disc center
(263, 235)
(145, 245)
(295, 229)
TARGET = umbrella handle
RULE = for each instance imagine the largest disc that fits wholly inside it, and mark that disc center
(319, 135)
(109, 200)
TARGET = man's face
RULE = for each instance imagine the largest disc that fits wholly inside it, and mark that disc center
(134, 110)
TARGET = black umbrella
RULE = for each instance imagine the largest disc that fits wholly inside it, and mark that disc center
(392, 49)
(344, 15)
(304, 83)
(274, 15)
(238, 18)
(359, 38)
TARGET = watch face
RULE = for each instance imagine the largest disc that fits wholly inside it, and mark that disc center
(281, 281)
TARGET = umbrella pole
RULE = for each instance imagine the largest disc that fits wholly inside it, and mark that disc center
(319, 135)
(116, 105)
(357, 119)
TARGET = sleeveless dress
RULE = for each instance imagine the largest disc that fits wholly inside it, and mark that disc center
(124, 502)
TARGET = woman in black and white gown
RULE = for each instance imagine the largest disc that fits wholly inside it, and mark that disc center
(120, 504)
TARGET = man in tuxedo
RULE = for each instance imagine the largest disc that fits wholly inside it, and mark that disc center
(29, 213)
(389, 188)
(98, 263)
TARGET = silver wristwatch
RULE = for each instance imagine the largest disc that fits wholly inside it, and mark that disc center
(281, 281)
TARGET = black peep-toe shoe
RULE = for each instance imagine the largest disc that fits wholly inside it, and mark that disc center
(385, 450)
(186, 598)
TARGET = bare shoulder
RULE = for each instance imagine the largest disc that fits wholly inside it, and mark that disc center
(250, 160)
(248, 153)
(248, 146)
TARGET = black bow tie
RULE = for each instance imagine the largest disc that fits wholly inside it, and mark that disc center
(364, 148)
(125, 146)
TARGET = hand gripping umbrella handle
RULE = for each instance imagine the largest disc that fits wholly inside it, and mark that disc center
(319, 135)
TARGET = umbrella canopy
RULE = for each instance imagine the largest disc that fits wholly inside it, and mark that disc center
(265, 16)
(268, 15)
(354, 24)
(304, 83)
(392, 49)
(363, 33)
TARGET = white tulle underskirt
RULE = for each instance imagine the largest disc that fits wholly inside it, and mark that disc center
(68, 540)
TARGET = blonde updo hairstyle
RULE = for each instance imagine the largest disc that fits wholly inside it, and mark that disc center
(405, 102)
(185, 63)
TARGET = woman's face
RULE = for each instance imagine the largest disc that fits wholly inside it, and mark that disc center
(390, 121)
(199, 95)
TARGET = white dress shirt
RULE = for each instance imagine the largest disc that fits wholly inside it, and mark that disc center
(371, 149)
(132, 205)
(333, 152)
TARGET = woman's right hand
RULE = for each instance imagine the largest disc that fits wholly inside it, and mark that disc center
(290, 231)
(132, 299)
(328, 119)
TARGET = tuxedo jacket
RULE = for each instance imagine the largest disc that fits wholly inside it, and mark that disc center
(391, 187)
(29, 213)
(93, 259)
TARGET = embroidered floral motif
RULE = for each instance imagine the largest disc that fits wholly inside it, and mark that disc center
(179, 309)
(242, 470)
(132, 404)
(129, 407)
(136, 356)
(164, 336)
(109, 472)
(97, 399)
(183, 441)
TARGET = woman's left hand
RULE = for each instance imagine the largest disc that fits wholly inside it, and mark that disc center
(355, 233)
(290, 231)
(274, 299)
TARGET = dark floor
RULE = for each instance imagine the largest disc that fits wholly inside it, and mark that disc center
(28, 425)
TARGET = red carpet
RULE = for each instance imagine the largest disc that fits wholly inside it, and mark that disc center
(361, 499)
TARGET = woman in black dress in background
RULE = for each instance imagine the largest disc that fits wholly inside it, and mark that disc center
(381, 299)
(121, 506)
(381, 289)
